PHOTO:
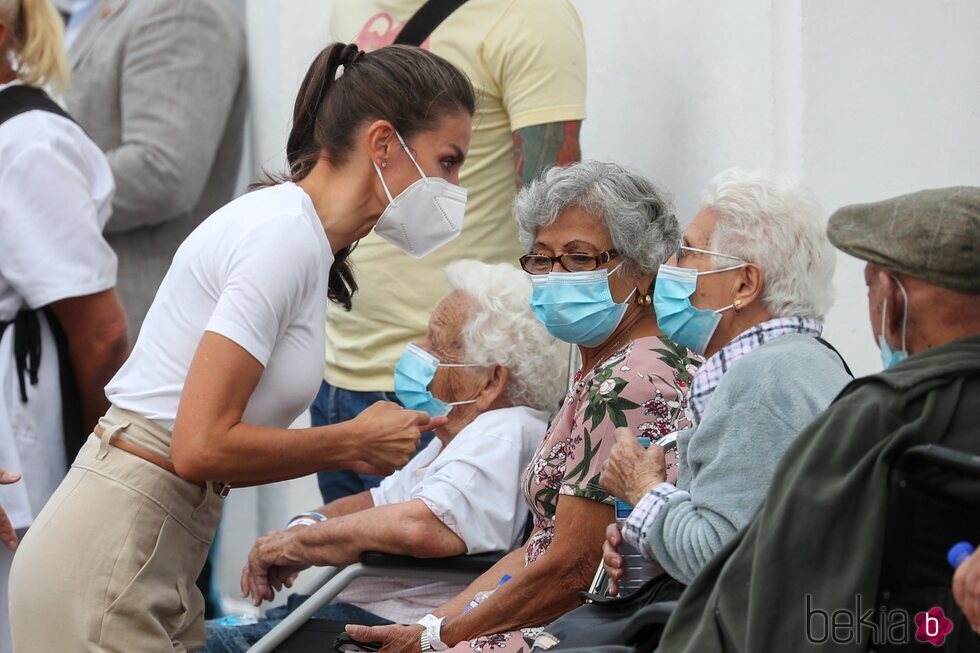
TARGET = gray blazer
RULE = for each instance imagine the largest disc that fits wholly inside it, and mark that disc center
(159, 85)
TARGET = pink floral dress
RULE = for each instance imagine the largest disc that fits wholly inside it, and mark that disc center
(644, 387)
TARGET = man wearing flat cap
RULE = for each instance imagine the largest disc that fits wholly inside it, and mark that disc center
(817, 541)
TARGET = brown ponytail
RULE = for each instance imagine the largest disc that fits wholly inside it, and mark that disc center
(411, 88)
(36, 38)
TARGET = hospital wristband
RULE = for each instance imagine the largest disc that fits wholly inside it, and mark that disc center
(306, 519)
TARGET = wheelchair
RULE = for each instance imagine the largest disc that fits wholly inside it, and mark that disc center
(933, 503)
(300, 632)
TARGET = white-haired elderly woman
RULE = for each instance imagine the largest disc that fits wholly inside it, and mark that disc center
(498, 375)
(595, 234)
(748, 289)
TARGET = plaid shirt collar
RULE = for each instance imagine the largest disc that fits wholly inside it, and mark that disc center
(709, 376)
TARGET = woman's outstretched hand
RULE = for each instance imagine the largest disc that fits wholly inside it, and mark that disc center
(388, 434)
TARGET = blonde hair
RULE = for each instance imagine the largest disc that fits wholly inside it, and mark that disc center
(35, 38)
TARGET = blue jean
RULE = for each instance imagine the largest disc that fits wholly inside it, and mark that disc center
(237, 639)
(334, 405)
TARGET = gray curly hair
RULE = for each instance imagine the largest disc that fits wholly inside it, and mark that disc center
(638, 213)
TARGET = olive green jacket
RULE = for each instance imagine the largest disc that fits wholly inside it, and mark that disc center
(821, 527)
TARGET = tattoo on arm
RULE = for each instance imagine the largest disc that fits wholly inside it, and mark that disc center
(538, 147)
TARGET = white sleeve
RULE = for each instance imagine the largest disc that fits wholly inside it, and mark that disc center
(397, 487)
(474, 490)
(51, 243)
(263, 283)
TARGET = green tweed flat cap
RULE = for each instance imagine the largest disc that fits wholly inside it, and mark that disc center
(932, 235)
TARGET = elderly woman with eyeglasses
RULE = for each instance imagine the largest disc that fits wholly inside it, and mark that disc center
(748, 289)
(595, 235)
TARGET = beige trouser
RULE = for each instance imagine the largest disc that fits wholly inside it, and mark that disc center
(110, 563)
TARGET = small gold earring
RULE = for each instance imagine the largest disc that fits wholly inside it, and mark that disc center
(384, 163)
(644, 300)
(737, 305)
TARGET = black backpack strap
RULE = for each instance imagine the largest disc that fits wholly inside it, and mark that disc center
(426, 20)
(15, 100)
(27, 362)
(75, 429)
(834, 349)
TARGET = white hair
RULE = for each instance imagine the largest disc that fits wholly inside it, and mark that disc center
(772, 221)
(638, 214)
(504, 331)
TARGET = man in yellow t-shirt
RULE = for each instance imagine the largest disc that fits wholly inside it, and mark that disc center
(526, 59)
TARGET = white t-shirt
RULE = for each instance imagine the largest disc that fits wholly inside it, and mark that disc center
(55, 198)
(473, 487)
(255, 272)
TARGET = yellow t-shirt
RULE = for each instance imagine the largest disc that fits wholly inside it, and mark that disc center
(526, 59)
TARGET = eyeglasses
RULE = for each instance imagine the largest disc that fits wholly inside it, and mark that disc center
(571, 261)
(684, 248)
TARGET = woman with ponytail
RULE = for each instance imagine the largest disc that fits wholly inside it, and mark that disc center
(62, 327)
(231, 352)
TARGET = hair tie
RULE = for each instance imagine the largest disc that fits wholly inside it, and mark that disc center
(351, 55)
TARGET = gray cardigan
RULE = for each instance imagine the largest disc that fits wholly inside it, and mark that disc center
(726, 463)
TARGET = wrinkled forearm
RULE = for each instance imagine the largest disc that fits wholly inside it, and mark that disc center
(407, 528)
(537, 594)
(347, 505)
(512, 564)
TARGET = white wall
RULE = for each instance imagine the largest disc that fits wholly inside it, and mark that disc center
(892, 105)
(863, 99)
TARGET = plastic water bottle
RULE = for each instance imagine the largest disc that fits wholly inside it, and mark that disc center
(478, 599)
(637, 570)
(238, 620)
(958, 554)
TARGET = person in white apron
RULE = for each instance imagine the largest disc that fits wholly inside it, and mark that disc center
(231, 352)
(62, 328)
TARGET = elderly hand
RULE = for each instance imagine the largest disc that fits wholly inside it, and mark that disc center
(268, 569)
(966, 589)
(630, 471)
(612, 561)
(7, 532)
(395, 638)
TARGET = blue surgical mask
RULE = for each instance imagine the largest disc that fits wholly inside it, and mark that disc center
(678, 318)
(413, 374)
(889, 357)
(577, 307)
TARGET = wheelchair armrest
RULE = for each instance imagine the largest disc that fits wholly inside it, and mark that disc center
(647, 617)
(477, 563)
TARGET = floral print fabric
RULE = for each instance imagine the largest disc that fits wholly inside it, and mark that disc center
(642, 386)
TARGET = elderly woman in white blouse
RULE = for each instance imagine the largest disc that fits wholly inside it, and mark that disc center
(493, 369)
